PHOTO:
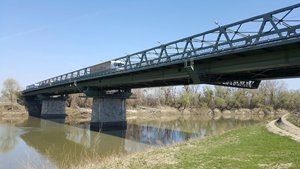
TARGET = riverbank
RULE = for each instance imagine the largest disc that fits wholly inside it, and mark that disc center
(166, 110)
(76, 115)
(10, 114)
(82, 115)
(251, 147)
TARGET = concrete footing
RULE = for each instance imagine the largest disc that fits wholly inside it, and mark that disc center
(108, 126)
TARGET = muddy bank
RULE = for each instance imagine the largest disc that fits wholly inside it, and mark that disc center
(169, 113)
(82, 115)
(201, 111)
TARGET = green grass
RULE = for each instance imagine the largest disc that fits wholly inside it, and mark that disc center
(251, 147)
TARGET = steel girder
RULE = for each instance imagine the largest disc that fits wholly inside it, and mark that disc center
(249, 84)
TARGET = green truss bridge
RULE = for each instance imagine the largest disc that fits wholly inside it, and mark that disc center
(240, 54)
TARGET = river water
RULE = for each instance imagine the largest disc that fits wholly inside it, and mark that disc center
(36, 143)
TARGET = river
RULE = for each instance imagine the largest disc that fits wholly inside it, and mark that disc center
(36, 143)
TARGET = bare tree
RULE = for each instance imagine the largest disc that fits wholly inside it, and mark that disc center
(11, 91)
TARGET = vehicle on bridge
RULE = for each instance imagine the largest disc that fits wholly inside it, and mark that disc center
(109, 65)
(112, 65)
(36, 85)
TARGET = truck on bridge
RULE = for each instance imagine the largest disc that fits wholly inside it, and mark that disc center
(112, 65)
(109, 65)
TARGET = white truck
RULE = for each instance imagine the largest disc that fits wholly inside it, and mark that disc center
(109, 65)
(33, 86)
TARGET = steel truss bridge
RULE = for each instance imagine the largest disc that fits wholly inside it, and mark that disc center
(240, 54)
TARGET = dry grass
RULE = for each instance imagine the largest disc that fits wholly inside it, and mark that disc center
(77, 115)
(276, 165)
(293, 119)
(16, 115)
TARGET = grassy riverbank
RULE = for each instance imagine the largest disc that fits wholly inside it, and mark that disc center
(251, 147)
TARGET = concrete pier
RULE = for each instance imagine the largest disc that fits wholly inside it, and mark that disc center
(109, 111)
(33, 106)
(52, 108)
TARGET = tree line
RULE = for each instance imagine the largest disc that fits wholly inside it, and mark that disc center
(271, 95)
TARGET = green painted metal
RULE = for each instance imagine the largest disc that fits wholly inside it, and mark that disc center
(251, 65)
(227, 55)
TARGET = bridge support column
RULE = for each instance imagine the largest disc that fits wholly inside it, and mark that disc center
(33, 106)
(46, 107)
(109, 110)
(53, 108)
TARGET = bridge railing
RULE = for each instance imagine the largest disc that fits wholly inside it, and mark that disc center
(273, 27)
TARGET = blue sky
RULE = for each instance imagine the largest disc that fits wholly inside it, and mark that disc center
(42, 39)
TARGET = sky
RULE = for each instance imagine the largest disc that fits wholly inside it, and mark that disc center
(43, 39)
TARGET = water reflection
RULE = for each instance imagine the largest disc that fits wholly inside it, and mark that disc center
(64, 144)
(168, 132)
(8, 138)
(56, 145)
